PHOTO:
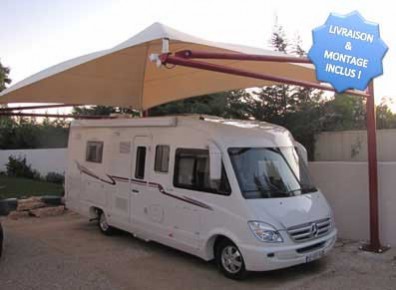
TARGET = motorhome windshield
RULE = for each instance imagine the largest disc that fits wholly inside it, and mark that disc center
(270, 172)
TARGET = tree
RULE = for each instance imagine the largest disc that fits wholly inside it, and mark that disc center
(26, 133)
(223, 104)
(278, 39)
(344, 112)
(102, 111)
(298, 109)
(273, 101)
(296, 47)
(386, 119)
(93, 111)
(4, 79)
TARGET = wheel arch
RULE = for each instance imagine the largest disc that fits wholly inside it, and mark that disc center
(94, 212)
(214, 240)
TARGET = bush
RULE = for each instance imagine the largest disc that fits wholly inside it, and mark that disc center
(55, 177)
(17, 167)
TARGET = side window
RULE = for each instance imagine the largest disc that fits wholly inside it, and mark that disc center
(192, 172)
(161, 158)
(94, 151)
(140, 162)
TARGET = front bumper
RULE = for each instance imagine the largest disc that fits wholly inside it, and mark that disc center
(268, 257)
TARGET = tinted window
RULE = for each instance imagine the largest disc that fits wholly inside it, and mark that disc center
(192, 172)
(140, 162)
(162, 158)
(94, 151)
(266, 173)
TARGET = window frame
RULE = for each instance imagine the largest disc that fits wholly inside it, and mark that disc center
(138, 163)
(97, 144)
(193, 188)
(155, 158)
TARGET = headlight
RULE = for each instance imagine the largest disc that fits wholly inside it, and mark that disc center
(265, 232)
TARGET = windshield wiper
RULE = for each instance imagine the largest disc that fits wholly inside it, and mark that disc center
(303, 190)
(309, 189)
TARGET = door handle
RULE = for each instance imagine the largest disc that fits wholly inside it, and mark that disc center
(135, 191)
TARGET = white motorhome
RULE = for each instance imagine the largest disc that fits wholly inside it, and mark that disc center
(230, 190)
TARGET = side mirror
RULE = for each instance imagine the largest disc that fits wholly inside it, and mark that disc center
(215, 165)
(302, 152)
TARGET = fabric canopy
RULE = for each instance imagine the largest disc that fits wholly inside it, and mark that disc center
(124, 76)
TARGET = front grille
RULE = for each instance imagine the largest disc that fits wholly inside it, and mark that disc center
(310, 231)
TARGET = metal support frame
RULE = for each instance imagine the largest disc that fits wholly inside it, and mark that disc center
(168, 58)
(66, 116)
(239, 56)
(186, 58)
(8, 109)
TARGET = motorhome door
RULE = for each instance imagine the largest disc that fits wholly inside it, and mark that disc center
(139, 187)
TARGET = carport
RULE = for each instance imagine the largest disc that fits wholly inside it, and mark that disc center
(160, 65)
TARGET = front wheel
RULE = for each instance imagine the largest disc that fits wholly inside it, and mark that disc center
(230, 261)
(103, 225)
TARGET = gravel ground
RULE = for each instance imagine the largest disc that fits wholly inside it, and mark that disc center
(68, 252)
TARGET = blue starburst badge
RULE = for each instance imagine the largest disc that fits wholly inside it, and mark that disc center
(347, 51)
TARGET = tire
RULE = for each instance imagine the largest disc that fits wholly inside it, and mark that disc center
(8, 205)
(104, 227)
(229, 260)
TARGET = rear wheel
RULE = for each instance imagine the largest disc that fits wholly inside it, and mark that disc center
(230, 261)
(104, 227)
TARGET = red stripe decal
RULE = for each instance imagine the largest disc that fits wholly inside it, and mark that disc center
(160, 188)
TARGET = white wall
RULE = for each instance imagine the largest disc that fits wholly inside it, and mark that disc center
(352, 146)
(43, 160)
(345, 185)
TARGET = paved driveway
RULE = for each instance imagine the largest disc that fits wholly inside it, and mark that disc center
(68, 252)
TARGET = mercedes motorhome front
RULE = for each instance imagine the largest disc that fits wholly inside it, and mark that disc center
(235, 191)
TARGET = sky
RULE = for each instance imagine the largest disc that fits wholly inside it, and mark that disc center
(36, 34)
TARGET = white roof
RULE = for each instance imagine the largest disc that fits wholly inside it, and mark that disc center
(124, 76)
(230, 131)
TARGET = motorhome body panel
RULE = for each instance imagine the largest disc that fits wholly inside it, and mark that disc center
(105, 171)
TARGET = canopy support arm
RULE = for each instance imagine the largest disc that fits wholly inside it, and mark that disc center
(167, 58)
(239, 56)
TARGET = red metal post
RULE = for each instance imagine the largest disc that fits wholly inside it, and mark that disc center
(374, 244)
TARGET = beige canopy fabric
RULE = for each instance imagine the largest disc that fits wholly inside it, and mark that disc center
(124, 76)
